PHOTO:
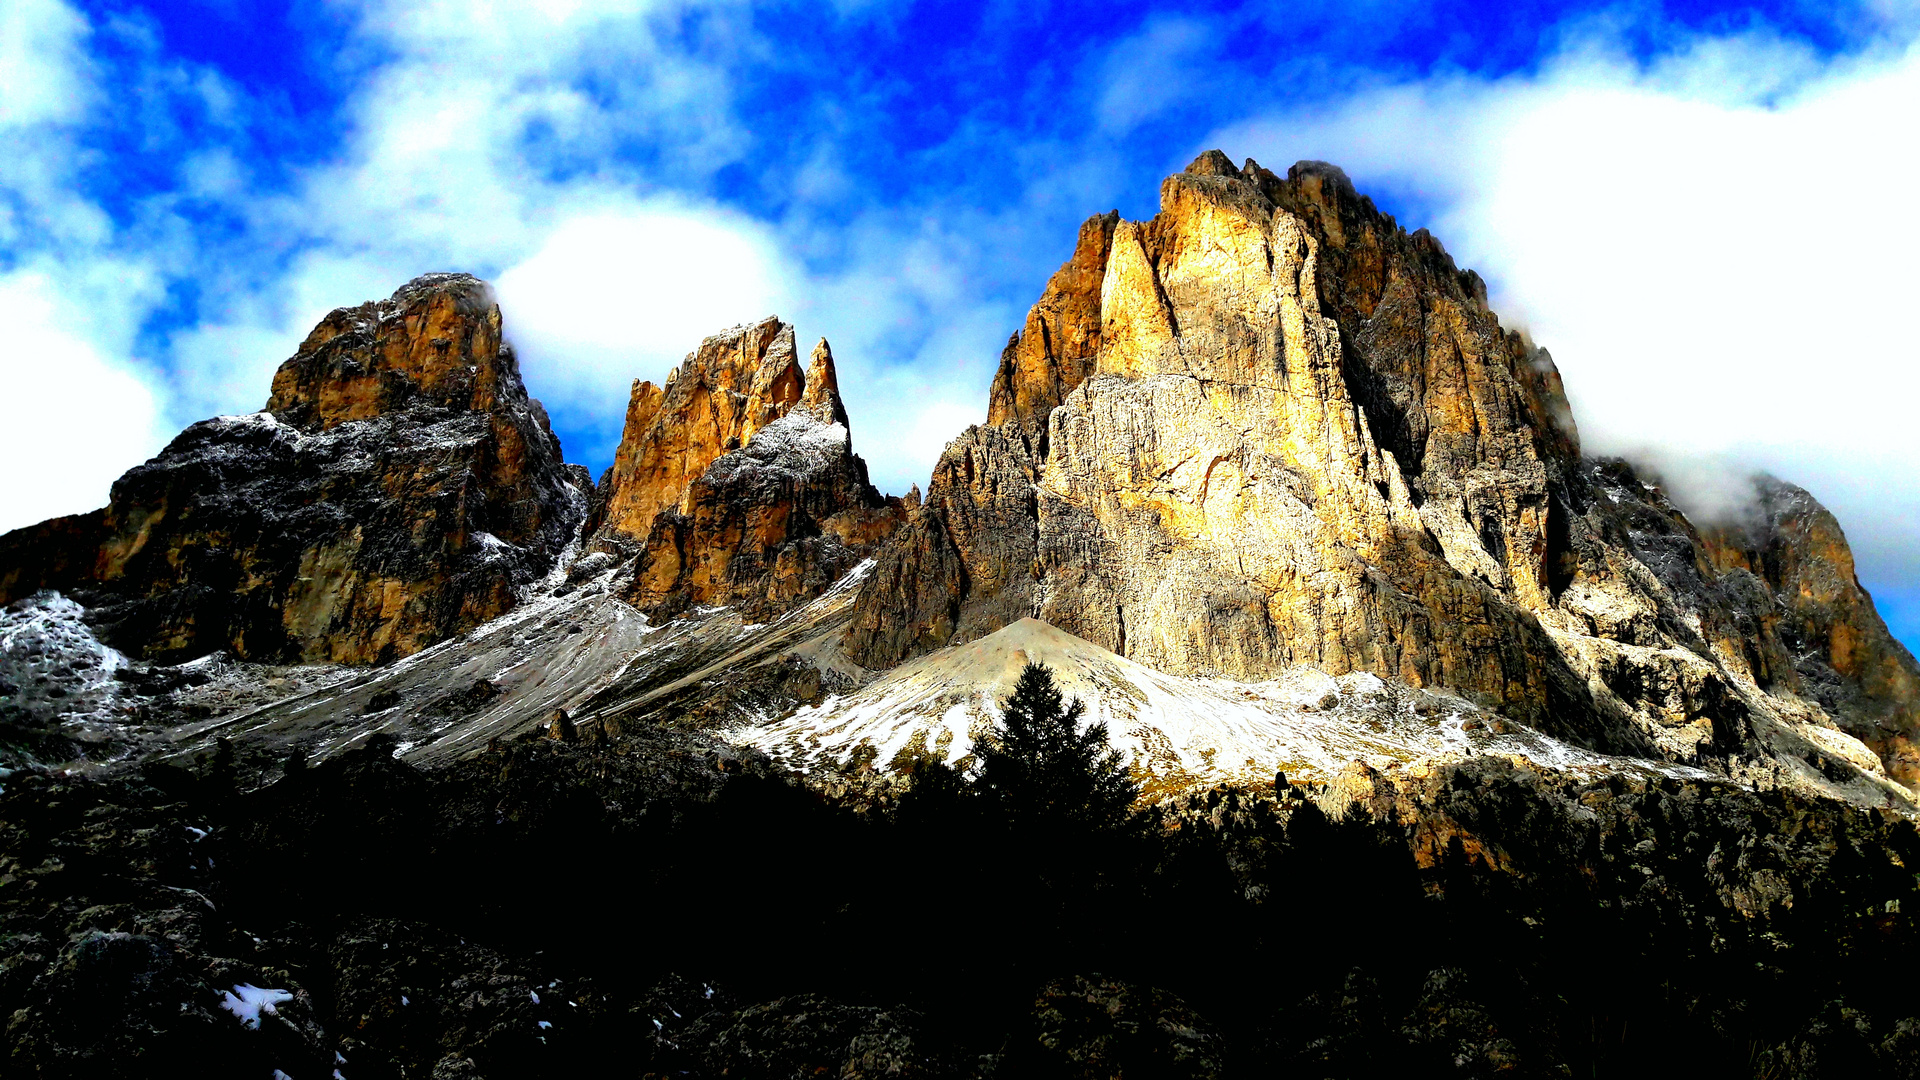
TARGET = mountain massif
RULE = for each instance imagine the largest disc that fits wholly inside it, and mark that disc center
(1264, 482)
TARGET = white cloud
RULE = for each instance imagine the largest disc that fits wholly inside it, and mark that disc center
(561, 149)
(76, 413)
(46, 87)
(626, 293)
(1152, 71)
(1716, 247)
(911, 440)
(477, 136)
(42, 63)
(72, 419)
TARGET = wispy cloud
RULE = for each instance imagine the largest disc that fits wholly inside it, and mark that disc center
(489, 138)
(71, 304)
(617, 295)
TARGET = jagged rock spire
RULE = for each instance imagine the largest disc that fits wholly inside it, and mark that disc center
(737, 382)
(822, 394)
(737, 481)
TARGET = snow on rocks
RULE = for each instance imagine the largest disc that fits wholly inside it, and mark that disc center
(56, 677)
(247, 1002)
(1174, 732)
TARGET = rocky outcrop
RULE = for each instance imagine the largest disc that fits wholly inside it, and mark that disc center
(1827, 640)
(738, 480)
(1299, 435)
(1056, 350)
(737, 382)
(399, 488)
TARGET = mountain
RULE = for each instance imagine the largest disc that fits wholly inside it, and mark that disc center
(364, 733)
(1266, 435)
(399, 487)
(1269, 428)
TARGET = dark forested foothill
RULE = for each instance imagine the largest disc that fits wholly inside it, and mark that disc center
(656, 905)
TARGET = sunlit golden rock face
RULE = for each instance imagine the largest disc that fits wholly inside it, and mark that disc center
(737, 382)
(1298, 434)
(1056, 349)
(738, 482)
(1210, 496)
(438, 340)
(401, 487)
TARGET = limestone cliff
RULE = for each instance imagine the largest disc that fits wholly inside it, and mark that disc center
(1298, 434)
(398, 489)
(1057, 348)
(738, 480)
(1825, 639)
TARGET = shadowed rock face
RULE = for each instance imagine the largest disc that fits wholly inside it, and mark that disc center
(1297, 434)
(398, 489)
(738, 480)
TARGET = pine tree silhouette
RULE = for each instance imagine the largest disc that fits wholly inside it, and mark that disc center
(1041, 768)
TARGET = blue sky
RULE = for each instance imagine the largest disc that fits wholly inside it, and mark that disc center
(1697, 207)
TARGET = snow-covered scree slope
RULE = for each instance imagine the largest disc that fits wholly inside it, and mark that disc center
(784, 688)
(572, 646)
(1174, 732)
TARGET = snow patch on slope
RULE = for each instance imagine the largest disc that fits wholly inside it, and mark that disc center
(1174, 732)
(55, 674)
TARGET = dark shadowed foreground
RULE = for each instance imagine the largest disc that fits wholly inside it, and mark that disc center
(657, 907)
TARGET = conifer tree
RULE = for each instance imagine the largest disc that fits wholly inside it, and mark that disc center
(1040, 767)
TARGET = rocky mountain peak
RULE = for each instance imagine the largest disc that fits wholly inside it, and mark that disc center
(1212, 163)
(737, 480)
(737, 382)
(437, 339)
(1269, 427)
(822, 394)
(399, 488)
